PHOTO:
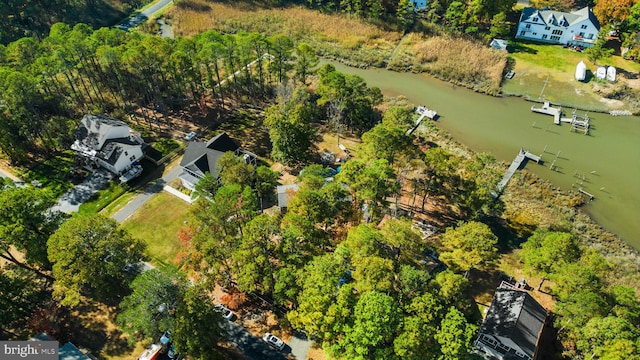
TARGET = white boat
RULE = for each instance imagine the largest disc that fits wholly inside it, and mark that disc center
(601, 73)
(581, 71)
(611, 73)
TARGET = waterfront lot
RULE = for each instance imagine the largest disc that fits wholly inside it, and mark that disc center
(535, 64)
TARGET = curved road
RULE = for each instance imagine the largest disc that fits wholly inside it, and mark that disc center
(144, 14)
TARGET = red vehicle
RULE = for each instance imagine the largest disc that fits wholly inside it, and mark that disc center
(151, 353)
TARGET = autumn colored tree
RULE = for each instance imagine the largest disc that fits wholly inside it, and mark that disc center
(612, 12)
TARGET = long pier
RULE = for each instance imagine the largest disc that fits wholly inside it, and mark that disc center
(522, 156)
(547, 109)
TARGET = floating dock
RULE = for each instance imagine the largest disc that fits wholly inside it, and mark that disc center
(547, 109)
(423, 112)
(522, 156)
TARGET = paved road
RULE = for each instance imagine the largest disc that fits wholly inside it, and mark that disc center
(149, 191)
(165, 29)
(300, 345)
(251, 346)
(144, 15)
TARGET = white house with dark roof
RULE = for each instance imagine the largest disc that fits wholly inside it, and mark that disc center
(108, 143)
(202, 157)
(578, 28)
(512, 327)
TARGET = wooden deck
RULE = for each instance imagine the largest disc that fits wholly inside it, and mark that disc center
(547, 109)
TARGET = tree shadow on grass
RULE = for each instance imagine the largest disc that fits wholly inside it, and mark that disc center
(520, 48)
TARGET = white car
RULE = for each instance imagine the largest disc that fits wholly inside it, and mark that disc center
(273, 341)
(226, 313)
(190, 136)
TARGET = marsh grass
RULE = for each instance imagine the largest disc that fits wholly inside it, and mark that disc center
(461, 61)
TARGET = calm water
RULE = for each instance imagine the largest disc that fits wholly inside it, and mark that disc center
(608, 158)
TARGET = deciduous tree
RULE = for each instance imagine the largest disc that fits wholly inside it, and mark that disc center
(469, 245)
(91, 252)
(198, 327)
(150, 308)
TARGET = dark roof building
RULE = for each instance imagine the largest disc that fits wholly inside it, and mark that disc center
(512, 327)
(202, 157)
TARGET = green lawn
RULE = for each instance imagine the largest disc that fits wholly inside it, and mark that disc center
(157, 223)
(535, 63)
(103, 198)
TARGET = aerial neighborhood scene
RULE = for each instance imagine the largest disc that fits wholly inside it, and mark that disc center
(322, 179)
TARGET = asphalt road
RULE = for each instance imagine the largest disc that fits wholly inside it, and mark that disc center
(251, 346)
(149, 191)
(142, 16)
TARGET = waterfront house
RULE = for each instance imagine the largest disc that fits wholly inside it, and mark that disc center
(108, 143)
(202, 157)
(578, 28)
(512, 327)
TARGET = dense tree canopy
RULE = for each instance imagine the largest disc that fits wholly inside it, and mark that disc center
(90, 252)
(198, 327)
(26, 224)
(469, 245)
(150, 308)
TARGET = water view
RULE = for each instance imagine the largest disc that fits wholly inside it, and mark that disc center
(605, 163)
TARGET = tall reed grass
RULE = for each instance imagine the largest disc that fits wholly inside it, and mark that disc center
(350, 40)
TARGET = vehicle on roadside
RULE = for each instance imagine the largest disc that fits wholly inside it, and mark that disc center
(226, 313)
(151, 353)
(273, 340)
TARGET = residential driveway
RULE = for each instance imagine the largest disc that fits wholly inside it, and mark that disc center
(251, 346)
(149, 191)
(70, 202)
(300, 345)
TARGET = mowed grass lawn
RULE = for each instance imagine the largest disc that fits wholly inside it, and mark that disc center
(157, 223)
(534, 63)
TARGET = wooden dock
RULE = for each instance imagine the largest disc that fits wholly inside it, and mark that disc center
(423, 112)
(522, 156)
(547, 109)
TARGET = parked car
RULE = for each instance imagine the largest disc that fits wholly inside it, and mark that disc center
(273, 340)
(165, 339)
(226, 313)
(190, 136)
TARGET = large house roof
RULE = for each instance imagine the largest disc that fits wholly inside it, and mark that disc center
(559, 18)
(201, 157)
(515, 315)
(93, 128)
